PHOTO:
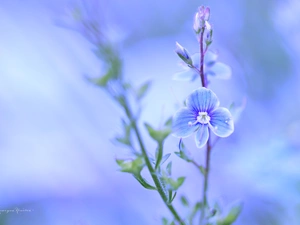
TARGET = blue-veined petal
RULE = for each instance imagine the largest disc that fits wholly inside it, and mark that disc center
(221, 122)
(202, 135)
(219, 70)
(210, 58)
(181, 119)
(196, 60)
(202, 100)
(188, 74)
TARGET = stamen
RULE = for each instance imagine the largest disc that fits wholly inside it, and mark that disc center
(203, 118)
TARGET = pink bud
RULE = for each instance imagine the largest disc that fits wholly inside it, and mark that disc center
(201, 19)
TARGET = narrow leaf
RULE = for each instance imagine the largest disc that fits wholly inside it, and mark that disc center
(184, 201)
(169, 168)
(144, 183)
(159, 154)
(169, 121)
(131, 166)
(170, 196)
(123, 140)
(173, 197)
(165, 158)
(196, 208)
(141, 92)
(165, 221)
(174, 184)
(232, 215)
(158, 135)
(101, 82)
(202, 170)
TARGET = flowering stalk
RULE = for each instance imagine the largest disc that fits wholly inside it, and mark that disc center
(208, 146)
(200, 115)
(156, 179)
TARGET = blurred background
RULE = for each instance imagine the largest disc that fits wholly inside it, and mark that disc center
(57, 160)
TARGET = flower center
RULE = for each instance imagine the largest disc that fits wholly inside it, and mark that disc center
(203, 118)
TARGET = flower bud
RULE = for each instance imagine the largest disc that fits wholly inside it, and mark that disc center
(208, 39)
(201, 19)
(206, 14)
(207, 25)
(198, 24)
(183, 54)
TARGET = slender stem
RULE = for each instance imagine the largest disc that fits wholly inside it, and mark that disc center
(196, 164)
(205, 185)
(154, 176)
(207, 167)
(202, 59)
(208, 145)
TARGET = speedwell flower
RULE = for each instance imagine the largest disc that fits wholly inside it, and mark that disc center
(212, 67)
(202, 112)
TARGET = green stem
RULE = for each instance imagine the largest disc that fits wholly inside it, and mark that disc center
(152, 171)
(160, 155)
(205, 185)
(207, 168)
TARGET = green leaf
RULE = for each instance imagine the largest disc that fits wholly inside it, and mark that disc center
(101, 81)
(171, 200)
(141, 92)
(159, 154)
(158, 135)
(231, 216)
(169, 169)
(168, 122)
(173, 184)
(131, 166)
(184, 201)
(202, 170)
(127, 127)
(170, 196)
(196, 208)
(165, 158)
(113, 63)
(165, 221)
(123, 140)
(144, 183)
(180, 181)
(127, 86)
(126, 138)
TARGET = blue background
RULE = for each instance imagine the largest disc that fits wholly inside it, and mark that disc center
(56, 153)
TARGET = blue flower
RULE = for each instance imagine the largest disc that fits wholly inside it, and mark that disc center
(212, 67)
(202, 112)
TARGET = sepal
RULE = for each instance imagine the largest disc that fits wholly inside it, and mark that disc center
(131, 166)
